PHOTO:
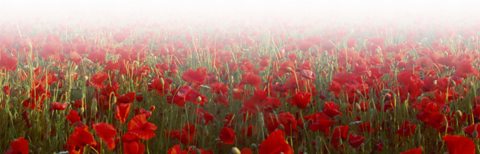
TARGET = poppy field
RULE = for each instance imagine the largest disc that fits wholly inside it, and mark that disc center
(239, 89)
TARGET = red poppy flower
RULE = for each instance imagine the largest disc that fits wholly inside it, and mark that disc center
(406, 129)
(122, 111)
(147, 113)
(196, 98)
(251, 79)
(139, 98)
(186, 94)
(18, 146)
(308, 74)
(78, 104)
(340, 132)
(228, 119)
(434, 119)
(52, 48)
(204, 116)
(301, 99)
(331, 109)
(319, 122)
(219, 88)
(349, 84)
(186, 135)
(160, 85)
(286, 67)
(110, 89)
(26, 119)
(179, 95)
(58, 106)
(271, 121)
(140, 127)
(111, 66)
(336, 88)
(473, 130)
(132, 145)
(288, 121)
(8, 62)
(6, 90)
(38, 94)
(202, 151)
(476, 111)
(97, 56)
(378, 147)
(355, 140)
(246, 151)
(49, 78)
(197, 76)
(176, 149)
(79, 139)
(463, 68)
(73, 117)
(126, 98)
(247, 66)
(260, 101)
(142, 71)
(366, 127)
(97, 79)
(284, 120)
(75, 57)
(411, 84)
(238, 92)
(227, 135)
(413, 151)
(107, 133)
(221, 99)
(248, 131)
(275, 143)
(459, 144)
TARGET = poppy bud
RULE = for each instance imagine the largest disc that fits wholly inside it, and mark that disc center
(162, 81)
(459, 113)
(358, 106)
(388, 96)
(290, 69)
(235, 150)
(254, 146)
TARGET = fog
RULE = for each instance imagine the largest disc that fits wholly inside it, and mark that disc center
(216, 11)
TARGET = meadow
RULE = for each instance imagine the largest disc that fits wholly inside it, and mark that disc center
(176, 89)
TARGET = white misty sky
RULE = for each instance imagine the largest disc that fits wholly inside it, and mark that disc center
(340, 9)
